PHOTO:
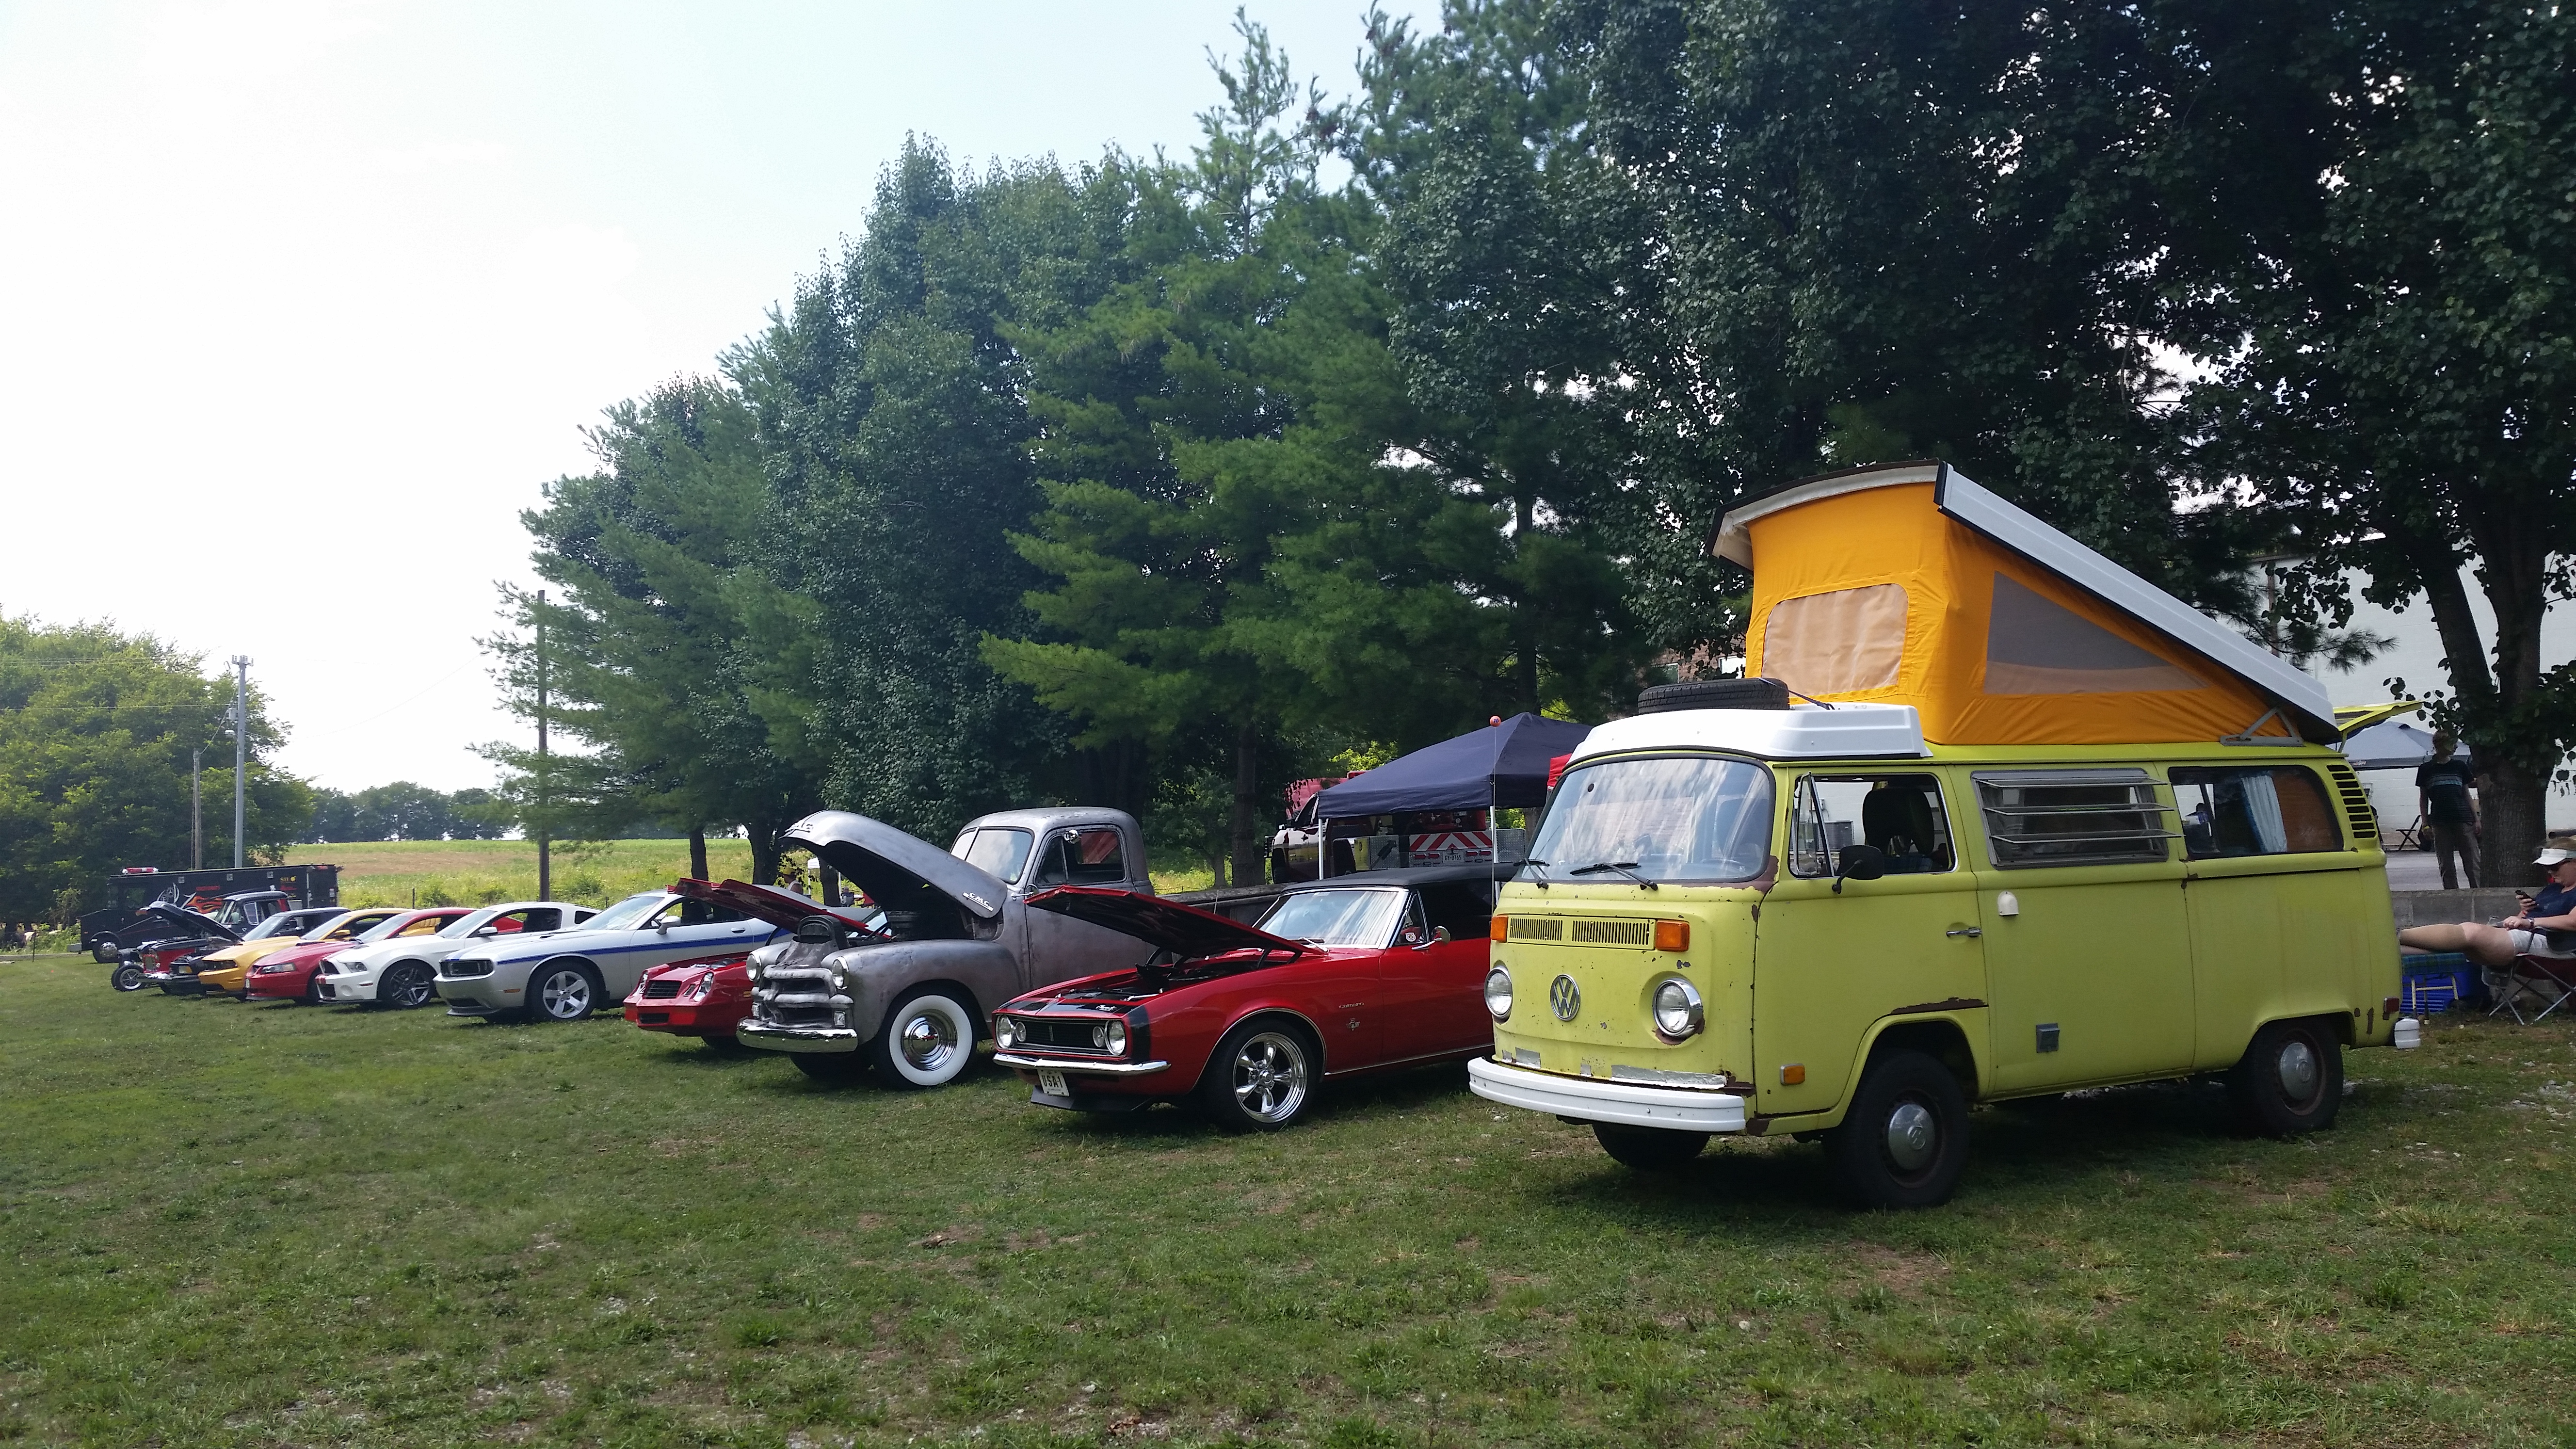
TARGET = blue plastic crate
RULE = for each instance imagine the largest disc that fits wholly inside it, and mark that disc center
(2436, 982)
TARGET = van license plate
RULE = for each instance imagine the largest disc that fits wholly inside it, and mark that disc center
(1051, 1082)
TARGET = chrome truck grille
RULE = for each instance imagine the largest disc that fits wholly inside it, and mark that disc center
(799, 993)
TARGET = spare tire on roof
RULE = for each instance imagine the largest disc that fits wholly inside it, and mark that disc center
(1715, 694)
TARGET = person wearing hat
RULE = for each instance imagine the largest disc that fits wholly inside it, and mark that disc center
(2444, 789)
(2545, 927)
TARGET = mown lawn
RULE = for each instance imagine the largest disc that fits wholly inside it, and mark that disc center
(232, 1224)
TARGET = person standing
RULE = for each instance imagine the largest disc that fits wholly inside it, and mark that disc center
(2443, 790)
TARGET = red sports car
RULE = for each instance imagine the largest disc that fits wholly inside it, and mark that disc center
(708, 996)
(289, 974)
(1353, 974)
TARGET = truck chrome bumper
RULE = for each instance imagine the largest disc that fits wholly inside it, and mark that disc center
(1592, 1099)
(1078, 1068)
(797, 1038)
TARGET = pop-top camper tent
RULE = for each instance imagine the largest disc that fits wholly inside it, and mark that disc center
(1910, 584)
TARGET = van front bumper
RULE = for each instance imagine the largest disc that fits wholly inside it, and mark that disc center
(1590, 1099)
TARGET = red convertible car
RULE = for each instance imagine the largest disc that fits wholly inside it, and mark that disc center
(1350, 975)
(708, 996)
(289, 974)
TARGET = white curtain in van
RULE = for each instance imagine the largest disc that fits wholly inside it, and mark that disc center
(2263, 802)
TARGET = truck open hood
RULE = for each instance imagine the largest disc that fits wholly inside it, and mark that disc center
(189, 921)
(895, 869)
(768, 903)
(1185, 931)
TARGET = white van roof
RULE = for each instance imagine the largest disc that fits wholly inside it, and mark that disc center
(1803, 732)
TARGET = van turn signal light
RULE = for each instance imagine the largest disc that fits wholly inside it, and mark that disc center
(1793, 1074)
(1502, 925)
(1672, 935)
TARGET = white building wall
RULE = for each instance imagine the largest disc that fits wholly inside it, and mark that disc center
(2417, 658)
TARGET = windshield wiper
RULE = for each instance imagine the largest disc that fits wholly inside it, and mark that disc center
(1542, 872)
(1624, 867)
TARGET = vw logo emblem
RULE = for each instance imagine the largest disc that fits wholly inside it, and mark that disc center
(1564, 998)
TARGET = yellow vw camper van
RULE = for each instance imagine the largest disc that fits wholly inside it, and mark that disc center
(1995, 818)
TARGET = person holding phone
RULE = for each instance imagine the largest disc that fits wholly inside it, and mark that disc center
(2545, 926)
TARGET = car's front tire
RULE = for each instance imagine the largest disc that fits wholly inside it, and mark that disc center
(2290, 1080)
(1649, 1149)
(1905, 1141)
(405, 985)
(562, 991)
(1261, 1079)
(125, 975)
(928, 1040)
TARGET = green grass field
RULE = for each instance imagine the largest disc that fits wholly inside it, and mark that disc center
(258, 1225)
(479, 872)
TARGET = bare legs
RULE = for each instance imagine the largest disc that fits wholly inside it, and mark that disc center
(2486, 945)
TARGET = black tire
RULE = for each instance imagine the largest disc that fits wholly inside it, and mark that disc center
(126, 975)
(926, 1040)
(406, 985)
(1262, 1077)
(1279, 866)
(1905, 1140)
(1714, 694)
(554, 996)
(2290, 1080)
(729, 1046)
(1649, 1149)
(103, 950)
(837, 1069)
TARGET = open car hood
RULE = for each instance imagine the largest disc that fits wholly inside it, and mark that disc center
(1186, 931)
(189, 921)
(895, 869)
(768, 903)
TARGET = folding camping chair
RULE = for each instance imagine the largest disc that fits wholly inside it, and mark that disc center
(2547, 980)
(2411, 837)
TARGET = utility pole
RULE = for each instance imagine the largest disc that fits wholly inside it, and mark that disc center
(241, 747)
(197, 809)
(545, 840)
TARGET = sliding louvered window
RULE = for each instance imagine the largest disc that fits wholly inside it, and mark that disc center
(2073, 817)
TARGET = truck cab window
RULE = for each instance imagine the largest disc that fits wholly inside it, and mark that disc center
(1090, 855)
(2253, 810)
(1901, 815)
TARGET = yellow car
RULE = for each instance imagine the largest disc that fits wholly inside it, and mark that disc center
(228, 971)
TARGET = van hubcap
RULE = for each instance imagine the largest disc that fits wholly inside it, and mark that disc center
(1912, 1136)
(928, 1041)
(2298, 1070)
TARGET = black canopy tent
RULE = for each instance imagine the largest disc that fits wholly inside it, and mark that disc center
(1503, 765)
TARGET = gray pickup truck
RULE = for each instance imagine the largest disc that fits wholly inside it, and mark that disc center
(959, 942)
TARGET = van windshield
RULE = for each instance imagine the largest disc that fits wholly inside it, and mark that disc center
(1670, 818)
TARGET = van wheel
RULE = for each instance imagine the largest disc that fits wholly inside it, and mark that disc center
(1905, 1141)
(562, 991)
(128, 976)
(1649, 1149)
(103, 950)
(2290, 1079)
(928, 1040)
(1261, 1078)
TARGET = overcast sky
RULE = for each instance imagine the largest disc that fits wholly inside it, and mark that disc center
(300, 303)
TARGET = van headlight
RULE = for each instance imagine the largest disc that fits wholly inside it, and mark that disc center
(1677, 1010)
(1498, 993)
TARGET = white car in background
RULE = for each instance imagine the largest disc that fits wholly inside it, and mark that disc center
(566, 975)
(403, 971)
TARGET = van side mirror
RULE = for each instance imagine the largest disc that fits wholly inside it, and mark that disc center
(1859, 862)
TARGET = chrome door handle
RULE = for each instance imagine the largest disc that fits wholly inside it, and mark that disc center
(1964, 931)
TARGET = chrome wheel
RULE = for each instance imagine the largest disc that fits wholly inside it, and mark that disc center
(2297, 1065)
(1268, 1077)
(565, 995)
(1913, 1136)
(929, 1041)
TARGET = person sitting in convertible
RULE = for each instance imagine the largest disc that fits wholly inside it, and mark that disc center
(2546, 927)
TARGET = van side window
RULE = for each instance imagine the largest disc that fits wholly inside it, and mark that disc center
(2072, 817)
(2253, 810)
(1899, 814)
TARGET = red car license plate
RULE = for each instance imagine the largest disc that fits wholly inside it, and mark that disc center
(1051, 1082)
